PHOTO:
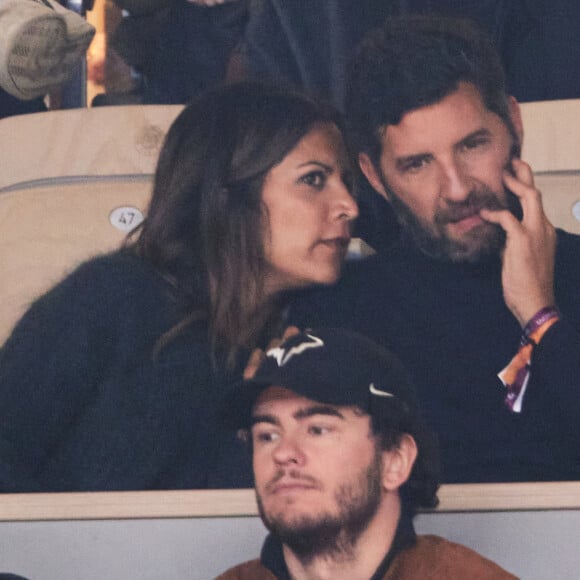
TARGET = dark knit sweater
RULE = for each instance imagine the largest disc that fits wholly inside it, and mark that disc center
(450, 326)
(84, 404)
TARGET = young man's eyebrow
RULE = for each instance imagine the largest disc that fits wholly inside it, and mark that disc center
(318, 410)
(300, 414)
(264, 419)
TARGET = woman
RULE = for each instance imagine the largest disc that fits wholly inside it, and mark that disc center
(112, 379)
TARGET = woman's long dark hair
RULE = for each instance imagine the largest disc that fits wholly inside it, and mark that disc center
(206, 223)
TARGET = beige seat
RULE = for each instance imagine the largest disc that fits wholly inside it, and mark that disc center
(72, 184)
(552, 147)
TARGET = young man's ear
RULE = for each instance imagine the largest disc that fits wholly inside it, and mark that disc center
(368, 168)
(398, 463)
(516, 117)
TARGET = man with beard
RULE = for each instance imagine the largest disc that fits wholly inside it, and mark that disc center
(342, 460)
(480, 295)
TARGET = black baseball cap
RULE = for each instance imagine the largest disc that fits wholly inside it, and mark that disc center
(331, 366)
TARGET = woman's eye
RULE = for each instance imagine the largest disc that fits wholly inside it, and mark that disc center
(315, 179)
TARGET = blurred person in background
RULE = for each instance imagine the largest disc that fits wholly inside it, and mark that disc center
(179, 48)
(40, 46)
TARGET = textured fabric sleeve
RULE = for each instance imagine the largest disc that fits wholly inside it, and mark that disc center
(555, 367)
(555, 373)
(145, 429)
(553, 393)
(51, 365)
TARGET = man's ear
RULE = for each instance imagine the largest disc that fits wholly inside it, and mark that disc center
(516, 117)
(368, 168)
(398, 463)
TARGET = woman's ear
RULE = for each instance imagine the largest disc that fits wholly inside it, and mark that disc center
(398, 463)
(370, 172)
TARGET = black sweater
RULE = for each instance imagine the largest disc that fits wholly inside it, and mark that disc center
(84, 404)
(450, 326)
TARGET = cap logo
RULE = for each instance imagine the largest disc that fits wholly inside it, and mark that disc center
(283, 355)
(378, 392)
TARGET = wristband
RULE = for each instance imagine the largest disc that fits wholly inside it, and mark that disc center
(537, 324)
(516, 374)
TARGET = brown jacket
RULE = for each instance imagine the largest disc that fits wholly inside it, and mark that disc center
(431, 558)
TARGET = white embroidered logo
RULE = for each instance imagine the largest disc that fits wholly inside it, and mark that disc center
(282, 356)
(378, 392)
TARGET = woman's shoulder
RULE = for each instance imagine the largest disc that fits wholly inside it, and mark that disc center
(106, 291)
(118, 276)
(123, 265)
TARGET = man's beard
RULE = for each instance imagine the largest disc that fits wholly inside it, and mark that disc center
(480, 243)
(332, 535)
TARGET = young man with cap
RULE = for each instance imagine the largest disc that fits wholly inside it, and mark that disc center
(480, 295)
(341, 463)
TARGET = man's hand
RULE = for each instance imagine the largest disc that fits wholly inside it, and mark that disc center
(529, 254)
(258, 354)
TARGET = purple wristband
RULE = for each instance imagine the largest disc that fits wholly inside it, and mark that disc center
(539, 318)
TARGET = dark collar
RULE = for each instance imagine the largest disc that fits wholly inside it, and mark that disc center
(406, 247)
(272, 556)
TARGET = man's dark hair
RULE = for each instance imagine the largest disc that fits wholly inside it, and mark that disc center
(414, 61)
(420, 490)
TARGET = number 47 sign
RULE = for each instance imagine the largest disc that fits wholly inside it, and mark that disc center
(126, 218)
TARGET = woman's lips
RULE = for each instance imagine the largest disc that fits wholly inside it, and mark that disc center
(338, 244)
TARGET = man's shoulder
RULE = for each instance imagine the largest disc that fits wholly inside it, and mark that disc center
(252, 570)
(436, 558)
(568, 262)
(568, 246)
(568, 241)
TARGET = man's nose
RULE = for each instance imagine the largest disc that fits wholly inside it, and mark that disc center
(288, 451)
(456, 183)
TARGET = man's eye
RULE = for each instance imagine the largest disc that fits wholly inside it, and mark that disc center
(265, 437)
(475, 143)
(318, 430)
(315, 179)
(414, 165)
